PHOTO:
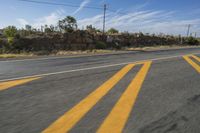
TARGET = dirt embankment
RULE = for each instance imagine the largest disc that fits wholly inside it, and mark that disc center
(83, 40)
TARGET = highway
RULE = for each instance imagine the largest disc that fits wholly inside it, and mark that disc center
(129, 92)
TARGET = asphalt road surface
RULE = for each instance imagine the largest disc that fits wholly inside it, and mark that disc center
(131, 92)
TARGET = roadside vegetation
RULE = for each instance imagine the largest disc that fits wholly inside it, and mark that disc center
(66, 36)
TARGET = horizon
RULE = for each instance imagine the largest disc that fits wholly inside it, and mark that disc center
(147, 16)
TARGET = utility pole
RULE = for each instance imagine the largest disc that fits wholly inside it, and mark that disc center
(188, 31)
(104, 18)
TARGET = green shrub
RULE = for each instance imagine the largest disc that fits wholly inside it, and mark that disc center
(10, 40)
(10, 31)
(192, 41)
(1, 46)
(100, 45)
(4, 46)
(118, 46)
(112, 31)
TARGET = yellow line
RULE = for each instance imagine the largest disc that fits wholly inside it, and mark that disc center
(70, 118)
(193, 64)
(9, 84)
(116, 120)
(196, 57)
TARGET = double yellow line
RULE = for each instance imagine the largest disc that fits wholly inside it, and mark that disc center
(196, 66)
(118, 116)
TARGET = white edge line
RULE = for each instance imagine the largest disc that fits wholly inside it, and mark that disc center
(75, 56)
(91, 68)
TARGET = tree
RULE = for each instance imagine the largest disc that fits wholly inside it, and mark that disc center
(68, 24)
(48, 29)
(192, 41)
(10, 31)
(113, 31)
(28, 27)
(92, 29)
(52, 28)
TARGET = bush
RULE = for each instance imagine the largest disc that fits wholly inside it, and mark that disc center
(10, 40)
(118, 46)
(100, 45)
(112, 31)
(10, 31)
(4, 46)
(192, 41)
(1, 46)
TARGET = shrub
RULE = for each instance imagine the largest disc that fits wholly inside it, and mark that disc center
(10, 40)
(100, 45)
(192, 41)
(112, 31)
(10, 31)
(1, 45)
(4, 46)
(118, 46)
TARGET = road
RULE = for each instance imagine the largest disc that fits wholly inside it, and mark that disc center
(131, 92)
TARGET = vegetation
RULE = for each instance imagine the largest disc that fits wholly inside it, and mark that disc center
(112, 31)
(100, 45)
(68, 24)
(192, 41)
(66, 36)
(10, 31)
(92, 29)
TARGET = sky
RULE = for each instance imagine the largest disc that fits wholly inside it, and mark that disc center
(147, 16)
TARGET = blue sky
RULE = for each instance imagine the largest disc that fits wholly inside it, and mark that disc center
(148, 16)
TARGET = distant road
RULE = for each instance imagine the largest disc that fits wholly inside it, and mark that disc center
(131, 92)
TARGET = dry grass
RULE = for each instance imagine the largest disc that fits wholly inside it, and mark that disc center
(15, 55)
(90, 52)
(159, 48)
(57, 53)
(82, 52)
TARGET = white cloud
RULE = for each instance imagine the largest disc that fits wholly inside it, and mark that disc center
(22, 22)
(144, 21)
(82, 5)
(51, 19)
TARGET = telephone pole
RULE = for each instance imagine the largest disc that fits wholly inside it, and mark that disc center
(188, 31)
(104, 18)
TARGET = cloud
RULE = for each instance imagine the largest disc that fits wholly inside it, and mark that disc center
(82, 5)
(144, 21)
(50, 19)
(147, 21)
(22, 22)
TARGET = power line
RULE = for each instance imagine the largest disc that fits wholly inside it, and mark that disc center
(117, 12)
(71, 5)
(60, 4)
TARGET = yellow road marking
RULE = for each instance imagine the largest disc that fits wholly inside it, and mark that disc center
(195, 57)
(193, 64)
(9, 84)
(70, 118)
(117, 118)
